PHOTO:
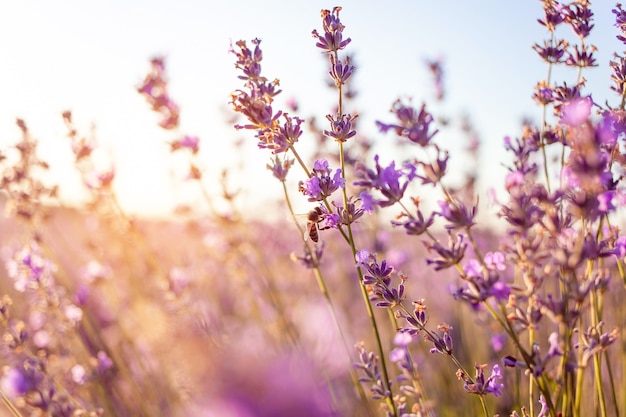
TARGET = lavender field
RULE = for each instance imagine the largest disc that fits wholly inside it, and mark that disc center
(414, 283)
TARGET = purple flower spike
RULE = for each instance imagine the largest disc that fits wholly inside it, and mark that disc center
(495, 261)
(576, 112)
(402, 339)
(620, 21)
(280, 168)
(340, 72)
(386, 180)
(450, 256)
(457, 214)
(579, 17)
(553, 12)
(321, 185)
(332, 39)
(482, 386)
(618, 68)
(341, 127)
(186, 142)
(412, 124)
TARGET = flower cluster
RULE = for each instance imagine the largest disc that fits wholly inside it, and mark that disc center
(412, 124)
(482, 385)
(21, 172)
(390, 181)
(255, 100)
(154, 89)
(322, 182)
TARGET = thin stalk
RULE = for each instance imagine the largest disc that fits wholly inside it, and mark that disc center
(321, 282)
(370, 311)
(543, 130)
(5, 400)
(597, 364)
(484, 405)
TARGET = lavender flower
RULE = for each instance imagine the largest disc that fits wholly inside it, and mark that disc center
(436, 69)
(550, 52)
(341, 127)
(345, 215)
(579, 17)
(332, 39)
(457, 214)
(186, 142)
(449, 256)
(321, 185)
(553, 15)
(434, 171)
(340, 73)
(30, 270)
(414, 224)
(620, 21)
(368, 363)
(154, 89)
(594, 342)
(386, 180)
(412, 124)
(310, 259)
(279, 168)
(482, 386)
(442, 340)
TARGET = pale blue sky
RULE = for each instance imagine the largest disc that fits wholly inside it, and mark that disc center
(89, 57)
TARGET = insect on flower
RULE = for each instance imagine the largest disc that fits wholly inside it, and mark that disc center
(313, 219)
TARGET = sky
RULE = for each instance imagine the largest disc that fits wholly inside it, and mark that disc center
(89, 57)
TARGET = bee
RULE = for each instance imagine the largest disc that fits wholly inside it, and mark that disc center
(313, 219)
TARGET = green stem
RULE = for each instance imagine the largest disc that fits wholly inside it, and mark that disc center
(484, 405)
(324, 290)
(368, 305)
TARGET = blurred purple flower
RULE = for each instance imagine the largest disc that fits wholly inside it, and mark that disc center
(581, 56)
(386, 180)
(495, 261)
(553, 53)
(95, 271)
(104, 362)
(553, 15)
(154, 89)
(19, 380)
(186, 142)
(402, 339)
(576, 111)
(367, 201)
(448, 256)
(579, 16)
(279, 168)
(618, 76)
(457, 214)
(30, 270)
(473, 268)
(498, 341)
(397, 354)
(436, 170)
(280, 385)
(310, 259)
(620, 247)
(79, 374)
(436, 69)
(412, 124)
